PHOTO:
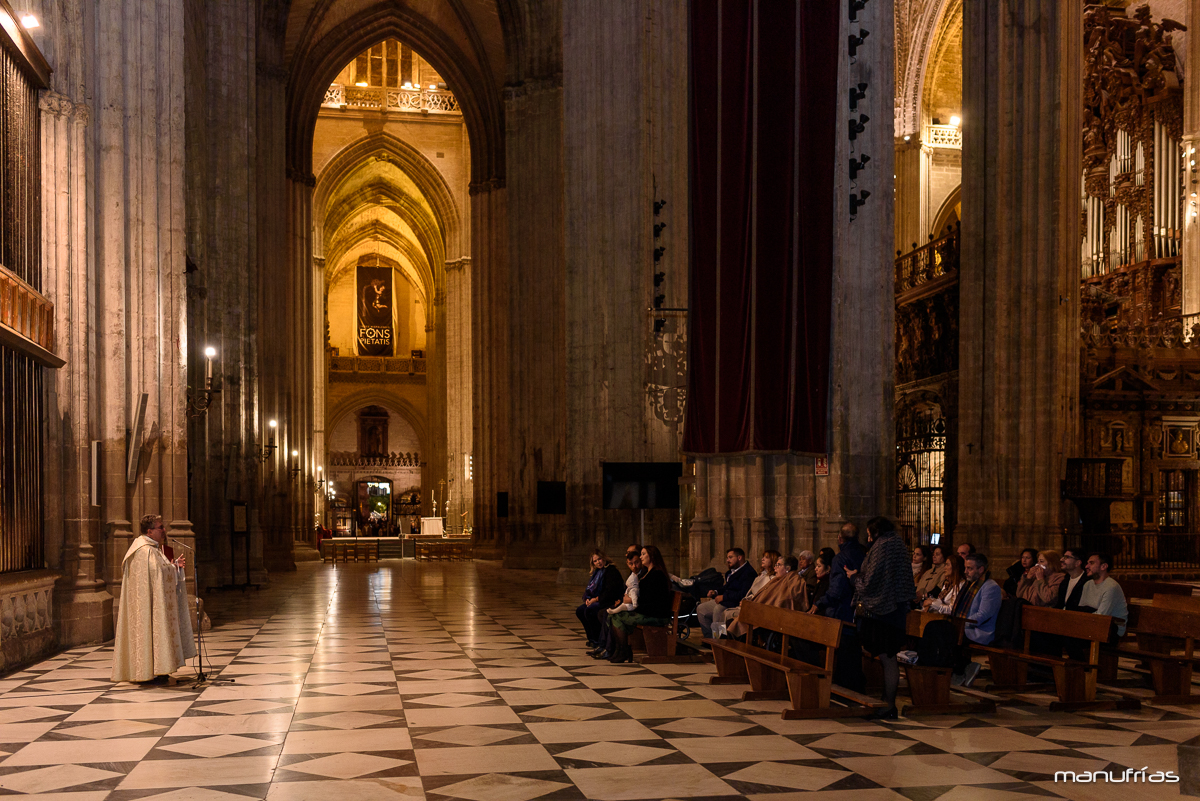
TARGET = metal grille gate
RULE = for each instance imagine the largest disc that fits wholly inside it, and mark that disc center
(21, 400)
(920, 472)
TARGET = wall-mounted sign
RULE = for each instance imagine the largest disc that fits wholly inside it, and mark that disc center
(376, 336)
(822, 465)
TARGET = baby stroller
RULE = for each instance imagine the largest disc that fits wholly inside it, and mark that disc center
(694, 589)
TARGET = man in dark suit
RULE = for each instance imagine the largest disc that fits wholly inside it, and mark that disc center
(1070, 591)
(737, 584)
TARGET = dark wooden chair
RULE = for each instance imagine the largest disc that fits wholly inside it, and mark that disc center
(661, 643)
(928, 686)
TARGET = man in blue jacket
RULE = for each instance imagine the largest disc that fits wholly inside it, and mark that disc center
(737, 584)
(979, 602)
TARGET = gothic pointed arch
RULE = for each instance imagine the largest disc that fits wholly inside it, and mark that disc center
(318, 59)
(918, 35)
(411, 162)
(381, 396)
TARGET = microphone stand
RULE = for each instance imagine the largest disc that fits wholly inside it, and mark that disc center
(201, 676)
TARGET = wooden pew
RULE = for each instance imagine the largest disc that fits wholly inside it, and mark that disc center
(929, 687)
(1165, 647)
(773, 676)
(1134, 588)
(1180, 603)
(1074, 681)
(661, 643)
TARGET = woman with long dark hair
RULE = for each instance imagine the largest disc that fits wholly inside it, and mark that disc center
(654, 604)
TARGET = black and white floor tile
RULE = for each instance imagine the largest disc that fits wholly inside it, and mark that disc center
(405, 680)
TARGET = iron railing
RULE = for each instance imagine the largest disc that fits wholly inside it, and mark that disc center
(938, 259)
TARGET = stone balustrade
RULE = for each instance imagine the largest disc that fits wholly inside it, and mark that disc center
(943, 136)
(378, 98)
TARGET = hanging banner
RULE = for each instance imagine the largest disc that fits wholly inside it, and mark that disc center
(375, 333)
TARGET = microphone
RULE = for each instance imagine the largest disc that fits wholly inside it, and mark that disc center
(181, 544)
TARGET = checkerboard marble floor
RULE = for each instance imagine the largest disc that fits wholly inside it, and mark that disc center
(408, 680)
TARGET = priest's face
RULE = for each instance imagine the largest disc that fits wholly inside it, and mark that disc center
(157, 532)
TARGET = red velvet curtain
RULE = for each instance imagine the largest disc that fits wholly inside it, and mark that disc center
(763, 146)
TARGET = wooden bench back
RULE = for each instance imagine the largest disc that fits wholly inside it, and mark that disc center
(918, 619)
(1080, 625)
(817, 629)
(1182, 603)
(1134, 588)
(1165, 622)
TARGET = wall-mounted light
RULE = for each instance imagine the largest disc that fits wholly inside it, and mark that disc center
(268, 450)
(198, 402)
(857, 165)
(857, 93)
(855, 42)
(29, 22)
(361, 83)
(955, 120)
(295, 470)
(907, 137)
(857, 200)
(858, 126)
(855, 7)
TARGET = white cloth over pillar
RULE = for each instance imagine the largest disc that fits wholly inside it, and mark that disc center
(154, 627)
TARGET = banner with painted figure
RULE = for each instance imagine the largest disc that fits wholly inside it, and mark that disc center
(376, 335)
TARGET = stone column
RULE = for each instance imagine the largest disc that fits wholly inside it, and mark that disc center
(912, 192)
(436, 475)
(862, 461)
(222, 126)
(457, 347)
(83, 604)
(490, 286)
(625, 146)
(537, 415)
(320, 375)
(138, 85)
(1019, 286)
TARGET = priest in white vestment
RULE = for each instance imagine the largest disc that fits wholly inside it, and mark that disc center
(154, 625)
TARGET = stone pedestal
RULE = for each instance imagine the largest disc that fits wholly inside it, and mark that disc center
(27, 618)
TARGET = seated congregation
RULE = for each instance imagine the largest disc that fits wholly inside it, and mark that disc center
(842, 625)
